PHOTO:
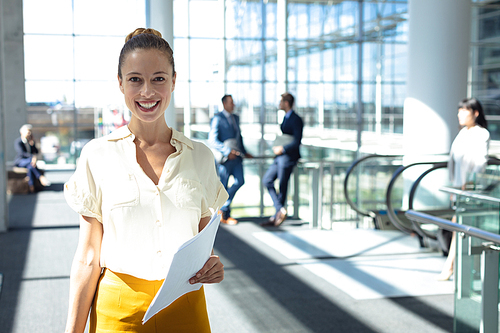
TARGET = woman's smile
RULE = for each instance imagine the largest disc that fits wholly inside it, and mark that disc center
(148, 106)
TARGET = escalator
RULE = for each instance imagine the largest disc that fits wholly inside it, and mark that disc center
(387, 214)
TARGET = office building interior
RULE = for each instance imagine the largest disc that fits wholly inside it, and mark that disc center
(375, 81)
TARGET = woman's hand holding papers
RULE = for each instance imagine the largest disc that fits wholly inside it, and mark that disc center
(211, 272)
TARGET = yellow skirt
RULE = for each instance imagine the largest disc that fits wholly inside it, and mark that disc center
(121, 301)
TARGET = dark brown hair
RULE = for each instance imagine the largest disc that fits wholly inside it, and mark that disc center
(473, 105)
(288, 98)
(145, 39)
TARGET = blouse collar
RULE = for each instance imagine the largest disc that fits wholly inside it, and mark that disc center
(124, 133)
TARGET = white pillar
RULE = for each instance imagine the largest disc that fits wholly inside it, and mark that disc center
(12, 91)
(438, 60)
(159, 14)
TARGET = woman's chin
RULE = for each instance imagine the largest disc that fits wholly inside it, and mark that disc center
(148, 117)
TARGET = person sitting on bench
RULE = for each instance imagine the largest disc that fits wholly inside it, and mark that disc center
(27, 157)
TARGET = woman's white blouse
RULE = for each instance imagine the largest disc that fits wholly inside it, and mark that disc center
(468, 154)
(144, 224)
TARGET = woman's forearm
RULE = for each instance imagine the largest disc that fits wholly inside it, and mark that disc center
(83, 284)
(85, 272)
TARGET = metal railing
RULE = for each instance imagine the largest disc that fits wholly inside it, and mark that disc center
(452, 226)
(314, 192)
(464, 284)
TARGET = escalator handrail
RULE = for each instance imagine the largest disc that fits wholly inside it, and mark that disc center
(390, 210)
(452, 226)
(411, 197)
(346, 180)
(492, 160)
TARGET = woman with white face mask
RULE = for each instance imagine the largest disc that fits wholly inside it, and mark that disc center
(468, 156)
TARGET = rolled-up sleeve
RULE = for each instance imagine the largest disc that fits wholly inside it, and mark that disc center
(215, 193)
(81, 192)
(219, 198)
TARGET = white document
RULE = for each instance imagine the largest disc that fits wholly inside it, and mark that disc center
(283, 140)
(187, 261)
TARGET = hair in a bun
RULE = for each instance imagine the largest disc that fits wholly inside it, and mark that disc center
(139, 31)
(145, 39)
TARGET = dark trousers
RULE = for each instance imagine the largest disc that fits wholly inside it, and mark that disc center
(33, 172)
(281, 169)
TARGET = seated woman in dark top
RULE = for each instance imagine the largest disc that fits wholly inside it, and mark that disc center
(27, 157)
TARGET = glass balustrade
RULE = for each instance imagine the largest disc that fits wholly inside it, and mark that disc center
(476, 274)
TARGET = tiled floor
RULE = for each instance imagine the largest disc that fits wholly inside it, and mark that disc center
(365, 264)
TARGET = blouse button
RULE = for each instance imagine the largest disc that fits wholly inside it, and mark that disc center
(158, 253)
(158, 223)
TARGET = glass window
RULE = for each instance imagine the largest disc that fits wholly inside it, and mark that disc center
(208, 61)
(98, 94)
(181, 58)
(329, 99)
(48, 57)
(271, 19)
(243, 19)
(485, 55)
(48, 17)
(203, 96)
(243, 59)
(327, 64)
(110, 17)
(297, 21)
(181, 18)
(271, 104)
(50, 92)
(372, 53)
(346, 62)
(316, 20)
(71, 68)
(180, 95)
(205, 19)
(271, 61)
(93, 64)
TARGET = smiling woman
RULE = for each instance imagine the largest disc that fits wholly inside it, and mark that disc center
(141, 191)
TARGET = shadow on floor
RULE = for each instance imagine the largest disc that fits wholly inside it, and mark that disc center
(305, 304)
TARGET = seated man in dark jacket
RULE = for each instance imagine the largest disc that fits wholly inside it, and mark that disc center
(27, 157)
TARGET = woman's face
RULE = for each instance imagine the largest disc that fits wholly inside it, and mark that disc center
(467, 117)
(147, 83)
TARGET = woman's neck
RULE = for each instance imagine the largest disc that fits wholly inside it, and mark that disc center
(150, 133)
